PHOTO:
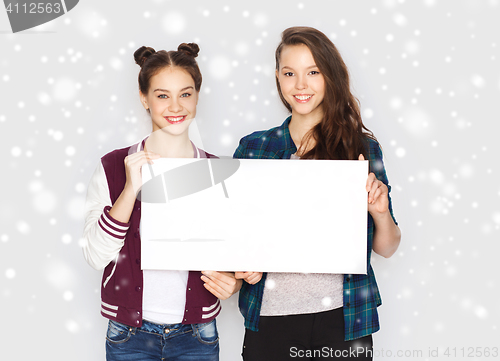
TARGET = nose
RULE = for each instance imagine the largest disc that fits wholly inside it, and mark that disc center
(174, 106)
(301, 82)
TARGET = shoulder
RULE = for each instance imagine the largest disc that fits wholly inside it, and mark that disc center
(375, 157)
(117, 156)
(204, 154)
(263, 136)
(373, 146)
(261, 144)
(373, 149)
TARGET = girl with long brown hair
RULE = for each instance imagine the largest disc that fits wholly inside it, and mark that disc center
(317, 316)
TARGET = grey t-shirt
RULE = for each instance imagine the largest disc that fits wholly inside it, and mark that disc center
(299, 293)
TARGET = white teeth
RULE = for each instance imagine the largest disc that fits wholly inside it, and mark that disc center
(302, 97)
(174, 119)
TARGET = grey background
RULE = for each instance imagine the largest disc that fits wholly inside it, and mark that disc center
(426, 73)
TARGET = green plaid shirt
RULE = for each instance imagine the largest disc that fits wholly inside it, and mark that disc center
(361, 294)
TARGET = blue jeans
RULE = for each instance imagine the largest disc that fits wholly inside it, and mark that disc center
(174, 342)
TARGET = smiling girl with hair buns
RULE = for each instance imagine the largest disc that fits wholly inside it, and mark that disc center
(153, 315)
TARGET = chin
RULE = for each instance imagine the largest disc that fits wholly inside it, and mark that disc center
(303, 111)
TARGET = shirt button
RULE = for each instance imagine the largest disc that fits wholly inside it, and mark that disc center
(348, 279)
(347, 304)
(138, 289)
(138, 261)
(137, 321)
(189, 289)
(138, 313)
(136, 234)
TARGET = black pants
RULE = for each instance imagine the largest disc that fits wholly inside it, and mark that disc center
(315, 336)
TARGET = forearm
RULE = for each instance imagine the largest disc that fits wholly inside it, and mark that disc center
(387, 235)
(122, 209)
(103, 235)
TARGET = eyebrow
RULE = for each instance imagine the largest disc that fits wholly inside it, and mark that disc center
(309, 67)
(168, 91)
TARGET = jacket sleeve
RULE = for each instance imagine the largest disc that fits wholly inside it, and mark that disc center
(103, 236)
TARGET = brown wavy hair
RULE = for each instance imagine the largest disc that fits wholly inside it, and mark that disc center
(341, 133)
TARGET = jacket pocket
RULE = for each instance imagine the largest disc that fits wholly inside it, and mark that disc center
(111, 273)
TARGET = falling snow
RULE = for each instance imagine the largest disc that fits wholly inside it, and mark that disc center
(10, 273)
(427, 77)
(64, 89)
(66, 238)
(72, 326)
(68, 295)
(220, 67)
(173, 23)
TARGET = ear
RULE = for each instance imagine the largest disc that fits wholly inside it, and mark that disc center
(276, 72)
(144, 101)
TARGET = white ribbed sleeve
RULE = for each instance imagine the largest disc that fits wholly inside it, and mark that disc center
(103, 236)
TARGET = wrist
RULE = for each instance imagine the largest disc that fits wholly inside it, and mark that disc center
(381, 216)
(128, 192)
(239, 283)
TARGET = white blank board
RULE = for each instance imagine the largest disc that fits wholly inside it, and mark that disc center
(279, 216)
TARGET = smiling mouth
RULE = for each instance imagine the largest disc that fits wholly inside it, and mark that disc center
(175, 120)
(302, 98)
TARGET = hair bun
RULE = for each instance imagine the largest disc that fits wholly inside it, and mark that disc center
(142, 54)
(191, 49)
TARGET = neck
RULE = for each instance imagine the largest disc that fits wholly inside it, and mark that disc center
(299, 126)
(170, 146)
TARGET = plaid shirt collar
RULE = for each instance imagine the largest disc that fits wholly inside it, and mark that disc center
(285, 146)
